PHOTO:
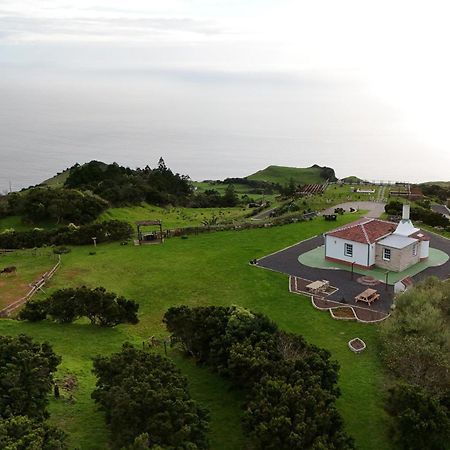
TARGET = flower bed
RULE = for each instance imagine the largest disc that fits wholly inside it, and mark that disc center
(357, 345)
(343, 312)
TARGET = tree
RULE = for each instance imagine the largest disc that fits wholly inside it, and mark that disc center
(286, 415)
(421, 420)
(26, 371)
(146, 402)
(67, 305)
(23, 433)
(230, 197)
(290, 385)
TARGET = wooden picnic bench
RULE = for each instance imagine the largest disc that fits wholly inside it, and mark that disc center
(317, 286)
(368, 296)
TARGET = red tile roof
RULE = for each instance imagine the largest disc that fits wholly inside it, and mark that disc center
(366, 231)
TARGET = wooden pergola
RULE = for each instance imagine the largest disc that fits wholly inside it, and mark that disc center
(150, 237)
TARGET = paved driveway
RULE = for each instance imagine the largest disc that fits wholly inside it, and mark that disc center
(376, 209)
(286, 261)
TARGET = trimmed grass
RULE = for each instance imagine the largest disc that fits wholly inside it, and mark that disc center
(208, 269)
(173, 217)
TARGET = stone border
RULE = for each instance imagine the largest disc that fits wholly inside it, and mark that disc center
(356, 350)
(337, 305)
(342, 318)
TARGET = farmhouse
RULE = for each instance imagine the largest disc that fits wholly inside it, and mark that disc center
(373, 242)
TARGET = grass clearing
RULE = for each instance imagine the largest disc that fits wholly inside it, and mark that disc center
(209, 269)
(30, 266)
(173, 217)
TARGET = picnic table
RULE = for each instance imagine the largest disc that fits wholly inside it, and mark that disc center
(368, 296)
(317, 286)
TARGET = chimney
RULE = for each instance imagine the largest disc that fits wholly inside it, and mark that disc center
(405, 215)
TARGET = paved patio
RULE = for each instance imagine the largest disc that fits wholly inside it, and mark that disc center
(287, 261)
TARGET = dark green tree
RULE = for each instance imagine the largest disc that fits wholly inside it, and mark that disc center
(26, 374)
(67, 305)
(23, 433)
(145, 396)
(420, 421)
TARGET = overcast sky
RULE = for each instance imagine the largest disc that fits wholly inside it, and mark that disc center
(397, 50)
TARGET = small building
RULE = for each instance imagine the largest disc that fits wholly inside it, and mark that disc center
(403, 285)
(370, 242)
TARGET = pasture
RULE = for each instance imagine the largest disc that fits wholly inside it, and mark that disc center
(209, 269)
(30, 266)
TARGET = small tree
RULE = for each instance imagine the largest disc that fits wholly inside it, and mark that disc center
(21, 433)
(26, 374)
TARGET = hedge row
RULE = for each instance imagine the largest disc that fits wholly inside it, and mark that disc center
(112, 230)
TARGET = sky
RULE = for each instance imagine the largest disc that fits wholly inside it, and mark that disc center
(393, 54)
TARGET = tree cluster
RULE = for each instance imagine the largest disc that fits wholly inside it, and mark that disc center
(147, 404)
(441, 193)
(416, 350)
(58, 205)
(425, 215)
(122, 185)
(211, 198)
(26, 374)
(108, 231)
(290, 384)
(102, 308)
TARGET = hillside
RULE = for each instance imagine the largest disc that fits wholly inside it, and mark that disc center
(300, 175)
(352, 179)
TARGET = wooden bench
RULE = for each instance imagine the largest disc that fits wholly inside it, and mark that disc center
(368, 296)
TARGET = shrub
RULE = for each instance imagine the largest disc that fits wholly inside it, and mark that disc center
(112, 230)
(67, 305)
(146, 402)
(26, 374)
(290, 384)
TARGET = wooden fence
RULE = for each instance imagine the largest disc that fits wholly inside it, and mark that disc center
(35, 286)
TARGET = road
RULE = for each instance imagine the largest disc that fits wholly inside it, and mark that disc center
(375, 209)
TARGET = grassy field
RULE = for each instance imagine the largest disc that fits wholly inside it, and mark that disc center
(204, 270)
(173, 217)
(30, 266)
(282, 175)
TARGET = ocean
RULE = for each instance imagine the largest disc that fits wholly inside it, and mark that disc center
(206, 125)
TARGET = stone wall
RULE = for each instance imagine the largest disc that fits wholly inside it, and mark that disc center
(400, 260)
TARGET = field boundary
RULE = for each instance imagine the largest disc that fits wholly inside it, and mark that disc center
(8, 310)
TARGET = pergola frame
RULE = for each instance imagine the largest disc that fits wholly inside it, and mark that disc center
(149, 223)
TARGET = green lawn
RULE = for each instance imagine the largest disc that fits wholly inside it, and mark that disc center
(204, 270)
(173, 217)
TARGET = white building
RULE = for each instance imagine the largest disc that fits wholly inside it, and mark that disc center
(373, 242)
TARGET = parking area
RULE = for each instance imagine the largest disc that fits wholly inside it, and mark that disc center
(349, 285)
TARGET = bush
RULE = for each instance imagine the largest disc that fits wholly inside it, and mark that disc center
(21, 433)
(67, 305)
(146, 402)
(290, 384)
(26, 374)
(59, 205)
(112, 230)
(421, 421)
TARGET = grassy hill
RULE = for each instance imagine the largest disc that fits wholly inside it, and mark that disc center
(282, 175)
(352, 179)
(210, 269)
